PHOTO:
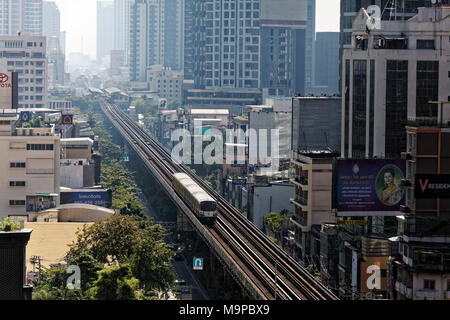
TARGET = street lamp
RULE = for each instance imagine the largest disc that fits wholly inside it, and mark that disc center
(442, 108)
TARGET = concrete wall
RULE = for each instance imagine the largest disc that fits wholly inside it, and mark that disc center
(273, 198)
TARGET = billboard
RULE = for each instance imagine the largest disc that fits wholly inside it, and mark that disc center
(96, 198)
(284, 13)
(370, 187)
(9, 91)
(432, 186)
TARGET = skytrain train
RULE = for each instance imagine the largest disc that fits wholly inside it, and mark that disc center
(197, 199)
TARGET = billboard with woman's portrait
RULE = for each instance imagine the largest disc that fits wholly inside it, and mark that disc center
(370, 186)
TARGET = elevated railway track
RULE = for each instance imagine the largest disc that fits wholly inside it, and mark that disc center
(262, 269)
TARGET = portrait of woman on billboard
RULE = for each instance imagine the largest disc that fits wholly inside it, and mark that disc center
(389, 189)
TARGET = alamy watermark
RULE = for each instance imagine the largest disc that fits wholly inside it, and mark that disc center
(262, 147)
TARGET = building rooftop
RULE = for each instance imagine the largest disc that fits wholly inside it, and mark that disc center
(209, 111)
(77, 141)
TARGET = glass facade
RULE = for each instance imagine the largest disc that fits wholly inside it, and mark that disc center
(359, 108)
(396, 107)
(427, 89)
(347, 107)
(371, 107)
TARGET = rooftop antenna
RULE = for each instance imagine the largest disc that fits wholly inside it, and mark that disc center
(391, 6)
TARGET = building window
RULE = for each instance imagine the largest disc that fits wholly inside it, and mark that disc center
(425, 44)
(427, 89)
(428, 284)
(359, 108)
(17, 183)
(36, 147)
(396, 107)
(16, 202)
(17, 165)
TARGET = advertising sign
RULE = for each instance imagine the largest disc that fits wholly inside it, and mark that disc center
(369, 187)
(239, 181)
(8, 90)
(67, 119)
(432, 186)
(97, 198)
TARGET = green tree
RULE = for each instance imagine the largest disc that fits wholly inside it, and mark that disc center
(116, 283)
(146, 260)
(274, 221)
(88, 268)
(129, 240)
(110, 240)
(53, 286)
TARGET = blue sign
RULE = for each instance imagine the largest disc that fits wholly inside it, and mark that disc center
(198, 264)
(94, 198)
(240, 181)
(25, 116)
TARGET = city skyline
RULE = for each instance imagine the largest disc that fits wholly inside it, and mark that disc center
(82, 37)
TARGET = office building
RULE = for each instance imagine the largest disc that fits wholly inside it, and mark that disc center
(122, 26)
(312, 200)
(30, 166)
(156, 36)
(166, 83)
(51, 19)
(388, 78)
(283, 46)
(26, 55)
(105, 26)
(420, 267)
(21, 15)
(326, 80)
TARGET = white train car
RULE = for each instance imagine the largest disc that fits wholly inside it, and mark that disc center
(198, 200)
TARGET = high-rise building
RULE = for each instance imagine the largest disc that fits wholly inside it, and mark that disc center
(122, 26)
(174, 34)
(250, 45)
(388, 77)
(51, 19)
(156, 30)
(105, 26)
(26, 55)
(21, 15)
(55, 51)
(283, 47)
(390, 10)
(327, 63)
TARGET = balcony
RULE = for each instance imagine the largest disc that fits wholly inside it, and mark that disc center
(403, 289)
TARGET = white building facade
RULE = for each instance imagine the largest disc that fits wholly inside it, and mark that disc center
(29, 166)
(26, 55)
(389, 76)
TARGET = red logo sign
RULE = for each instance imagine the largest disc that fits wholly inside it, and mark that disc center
(3, 77)
(422, 185)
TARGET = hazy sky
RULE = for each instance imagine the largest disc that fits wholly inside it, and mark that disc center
(78, 19)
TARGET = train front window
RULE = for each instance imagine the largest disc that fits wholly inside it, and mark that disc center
(208, 206)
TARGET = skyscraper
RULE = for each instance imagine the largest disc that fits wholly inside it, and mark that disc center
(20, 15)
(105, 27)
(51, 19)
(122, 26)
(250, 44)
(156, 36)
(389, 77)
